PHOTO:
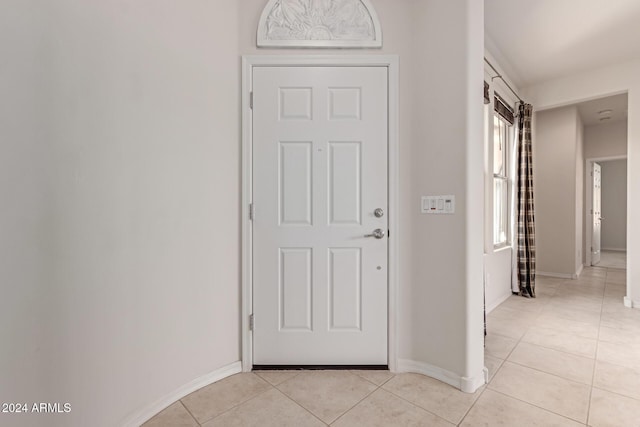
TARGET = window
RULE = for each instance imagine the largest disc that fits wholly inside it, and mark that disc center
(501, 133)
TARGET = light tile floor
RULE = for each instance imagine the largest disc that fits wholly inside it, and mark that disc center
(570, 357)
(613, 259)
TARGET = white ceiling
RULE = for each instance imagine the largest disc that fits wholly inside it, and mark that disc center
(592, 111)
(539, 40)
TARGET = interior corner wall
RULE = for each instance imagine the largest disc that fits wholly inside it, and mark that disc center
(143, 198)
(579, 206)
(24, 236)
(591, 84)
(554, 151)
(614, 205)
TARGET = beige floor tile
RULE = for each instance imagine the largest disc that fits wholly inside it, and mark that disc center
(555, 394)
(548, 282)
(617, 277)
(617, 379)
(570, 313)
(376, 377)
(327, 394)
(620, 335)
(612, 301)
(175, 415)
(497, 410)
(214, 399)
(492, 364)
(269, 409)
(534, 305)
(627, 354)
(563, 341)
(621, 318)
(612, 410)
(383, 409)
(576, 302)
(510, 328)
(615, 290)
(594, 272)
(507, 313)
(276, 377)
(581, 329)
(565, 365)
(575, 290)
(499, 346)
(545, 290)
(433, 395)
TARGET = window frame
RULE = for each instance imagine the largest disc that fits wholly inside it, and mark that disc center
(505, 178)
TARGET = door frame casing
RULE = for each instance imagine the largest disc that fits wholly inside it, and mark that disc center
(249, 62)
(588, 203)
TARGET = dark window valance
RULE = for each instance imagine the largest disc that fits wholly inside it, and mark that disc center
(502, 108)
(487, 100)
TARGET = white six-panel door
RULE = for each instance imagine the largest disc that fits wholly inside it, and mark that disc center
(320, 145)
(597, 213)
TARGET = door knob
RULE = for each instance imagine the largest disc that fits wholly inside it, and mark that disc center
(377, 233)
(379, 213)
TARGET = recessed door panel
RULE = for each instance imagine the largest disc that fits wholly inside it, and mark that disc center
(345, 172)
(345, 289)
(294, 176)
(295, 289)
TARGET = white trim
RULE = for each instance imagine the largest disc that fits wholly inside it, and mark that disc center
(392, 63)
(578, 271)
(499, 301)
(145, 414)
(629, 303)
(465, 384)
(263, 41)
(588, 238)
(614, 249)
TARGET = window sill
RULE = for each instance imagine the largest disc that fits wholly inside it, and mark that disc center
(501, 248)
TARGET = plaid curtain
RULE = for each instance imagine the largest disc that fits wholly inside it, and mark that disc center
(525, 212)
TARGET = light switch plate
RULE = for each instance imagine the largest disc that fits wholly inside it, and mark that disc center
(439, 205)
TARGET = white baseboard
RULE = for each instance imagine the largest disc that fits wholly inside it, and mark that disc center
(499, 301)
(557, 275)
(578, 272)
(142, 416)
(465, 384)
(614, 249)
(629, 303)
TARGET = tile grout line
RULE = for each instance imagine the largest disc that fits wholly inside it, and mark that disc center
(507, 360)
(486, 387)
(238, 404)
(415, 404)
(595, 363)
(189, 412)
(359, 401)
(295, 402)
(536, 406)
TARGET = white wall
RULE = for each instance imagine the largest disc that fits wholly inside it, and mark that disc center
(140, 102)
(579, 203)
(444, 322)
(614, 205)
(595, 84)
(605, 140)
(24, 228)
(555, 147)
(142, 195)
